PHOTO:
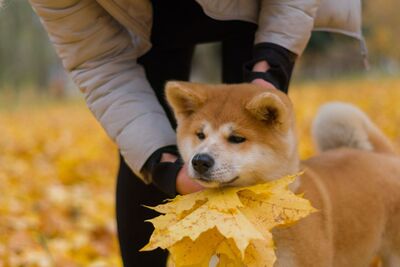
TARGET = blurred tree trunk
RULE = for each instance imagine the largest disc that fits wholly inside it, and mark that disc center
(26, 56)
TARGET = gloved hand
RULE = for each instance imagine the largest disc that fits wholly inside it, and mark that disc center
(271, 63)
(169, 173)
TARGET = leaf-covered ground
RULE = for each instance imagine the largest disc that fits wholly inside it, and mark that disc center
(57, 173)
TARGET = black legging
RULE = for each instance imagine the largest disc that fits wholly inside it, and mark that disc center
(178, 25)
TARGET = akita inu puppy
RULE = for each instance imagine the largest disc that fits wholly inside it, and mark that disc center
(236, 135)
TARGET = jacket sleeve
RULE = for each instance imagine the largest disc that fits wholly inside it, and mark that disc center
(287, 23)
(101, 57)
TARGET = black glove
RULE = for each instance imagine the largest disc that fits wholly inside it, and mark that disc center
(280, 60)
(164, 173)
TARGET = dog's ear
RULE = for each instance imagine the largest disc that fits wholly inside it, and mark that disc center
(184, 98)
(269, 108)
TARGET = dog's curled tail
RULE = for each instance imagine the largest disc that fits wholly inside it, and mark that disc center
(343, 125)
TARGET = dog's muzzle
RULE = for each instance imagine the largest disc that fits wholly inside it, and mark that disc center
(202, 163)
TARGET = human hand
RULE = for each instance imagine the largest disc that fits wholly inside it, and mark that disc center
(262, 66)
(184, 184)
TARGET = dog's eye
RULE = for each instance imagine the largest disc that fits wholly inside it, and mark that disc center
(201, 135)
(236, 139)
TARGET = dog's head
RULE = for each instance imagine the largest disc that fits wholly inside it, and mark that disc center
(237, 135)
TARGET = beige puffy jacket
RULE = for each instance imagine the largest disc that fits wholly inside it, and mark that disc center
(99, 42)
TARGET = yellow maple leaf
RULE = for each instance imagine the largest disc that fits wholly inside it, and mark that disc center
(233, 223)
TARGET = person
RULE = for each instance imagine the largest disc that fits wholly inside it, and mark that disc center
(120, 54)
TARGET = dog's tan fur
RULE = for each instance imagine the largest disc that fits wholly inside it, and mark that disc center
(354, 182)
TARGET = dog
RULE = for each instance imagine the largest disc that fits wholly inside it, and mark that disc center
(244, 134)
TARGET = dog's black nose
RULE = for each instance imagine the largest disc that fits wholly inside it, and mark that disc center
(202, 163)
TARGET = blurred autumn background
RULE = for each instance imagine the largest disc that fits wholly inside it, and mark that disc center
(57, 167)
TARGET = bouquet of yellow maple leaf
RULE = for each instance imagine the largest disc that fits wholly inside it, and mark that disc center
(233, 223)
